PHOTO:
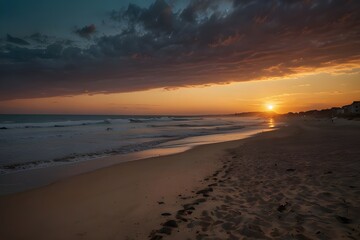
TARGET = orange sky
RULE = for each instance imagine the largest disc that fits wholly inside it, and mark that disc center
(178, 57)
(312, 91)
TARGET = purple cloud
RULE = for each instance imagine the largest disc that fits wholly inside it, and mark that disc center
(207, 42)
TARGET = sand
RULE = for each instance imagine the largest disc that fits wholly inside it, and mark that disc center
(299, 182)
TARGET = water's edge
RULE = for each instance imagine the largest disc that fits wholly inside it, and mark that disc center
(34, 178)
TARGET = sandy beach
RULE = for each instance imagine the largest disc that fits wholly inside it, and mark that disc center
(301, 181)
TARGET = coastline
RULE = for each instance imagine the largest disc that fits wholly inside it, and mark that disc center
(260, 188)
(28, 179)
(112, 202)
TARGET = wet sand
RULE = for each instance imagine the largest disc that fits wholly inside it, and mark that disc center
(299, 182)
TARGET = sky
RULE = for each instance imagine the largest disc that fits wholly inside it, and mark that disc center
(177, 57)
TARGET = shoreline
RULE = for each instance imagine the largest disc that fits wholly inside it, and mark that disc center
(23, 149)
(300, 181)
(145, 186)
(29, 179)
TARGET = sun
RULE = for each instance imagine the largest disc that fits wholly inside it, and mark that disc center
(270, 107)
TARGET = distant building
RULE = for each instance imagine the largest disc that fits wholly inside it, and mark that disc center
(353, 108)
(347, 111)
(338, 111)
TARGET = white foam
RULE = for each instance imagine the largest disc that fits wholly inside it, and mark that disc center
(43, 145)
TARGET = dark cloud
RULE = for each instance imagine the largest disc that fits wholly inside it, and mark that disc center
(16, 40)
(39, 38)
(206, 42)
(86, 31)
(159, 17)
(198, 8)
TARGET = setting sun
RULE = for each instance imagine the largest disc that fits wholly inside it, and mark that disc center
(270, 107)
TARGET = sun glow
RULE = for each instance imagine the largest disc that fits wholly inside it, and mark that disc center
(270, 107)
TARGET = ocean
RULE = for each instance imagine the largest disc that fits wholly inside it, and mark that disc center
(32, 142)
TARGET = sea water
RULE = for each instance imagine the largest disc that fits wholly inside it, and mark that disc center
(31, 142)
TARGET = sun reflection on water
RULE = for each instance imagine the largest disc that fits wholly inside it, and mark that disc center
(271, 123)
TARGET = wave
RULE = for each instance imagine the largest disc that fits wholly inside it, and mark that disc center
(126, 136)
(70, 123)
(188, 125)
(150, 119)
(229, 128)
(73, 158)
(53, 124)
(184, 119)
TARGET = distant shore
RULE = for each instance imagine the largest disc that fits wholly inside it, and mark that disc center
(301, 181)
